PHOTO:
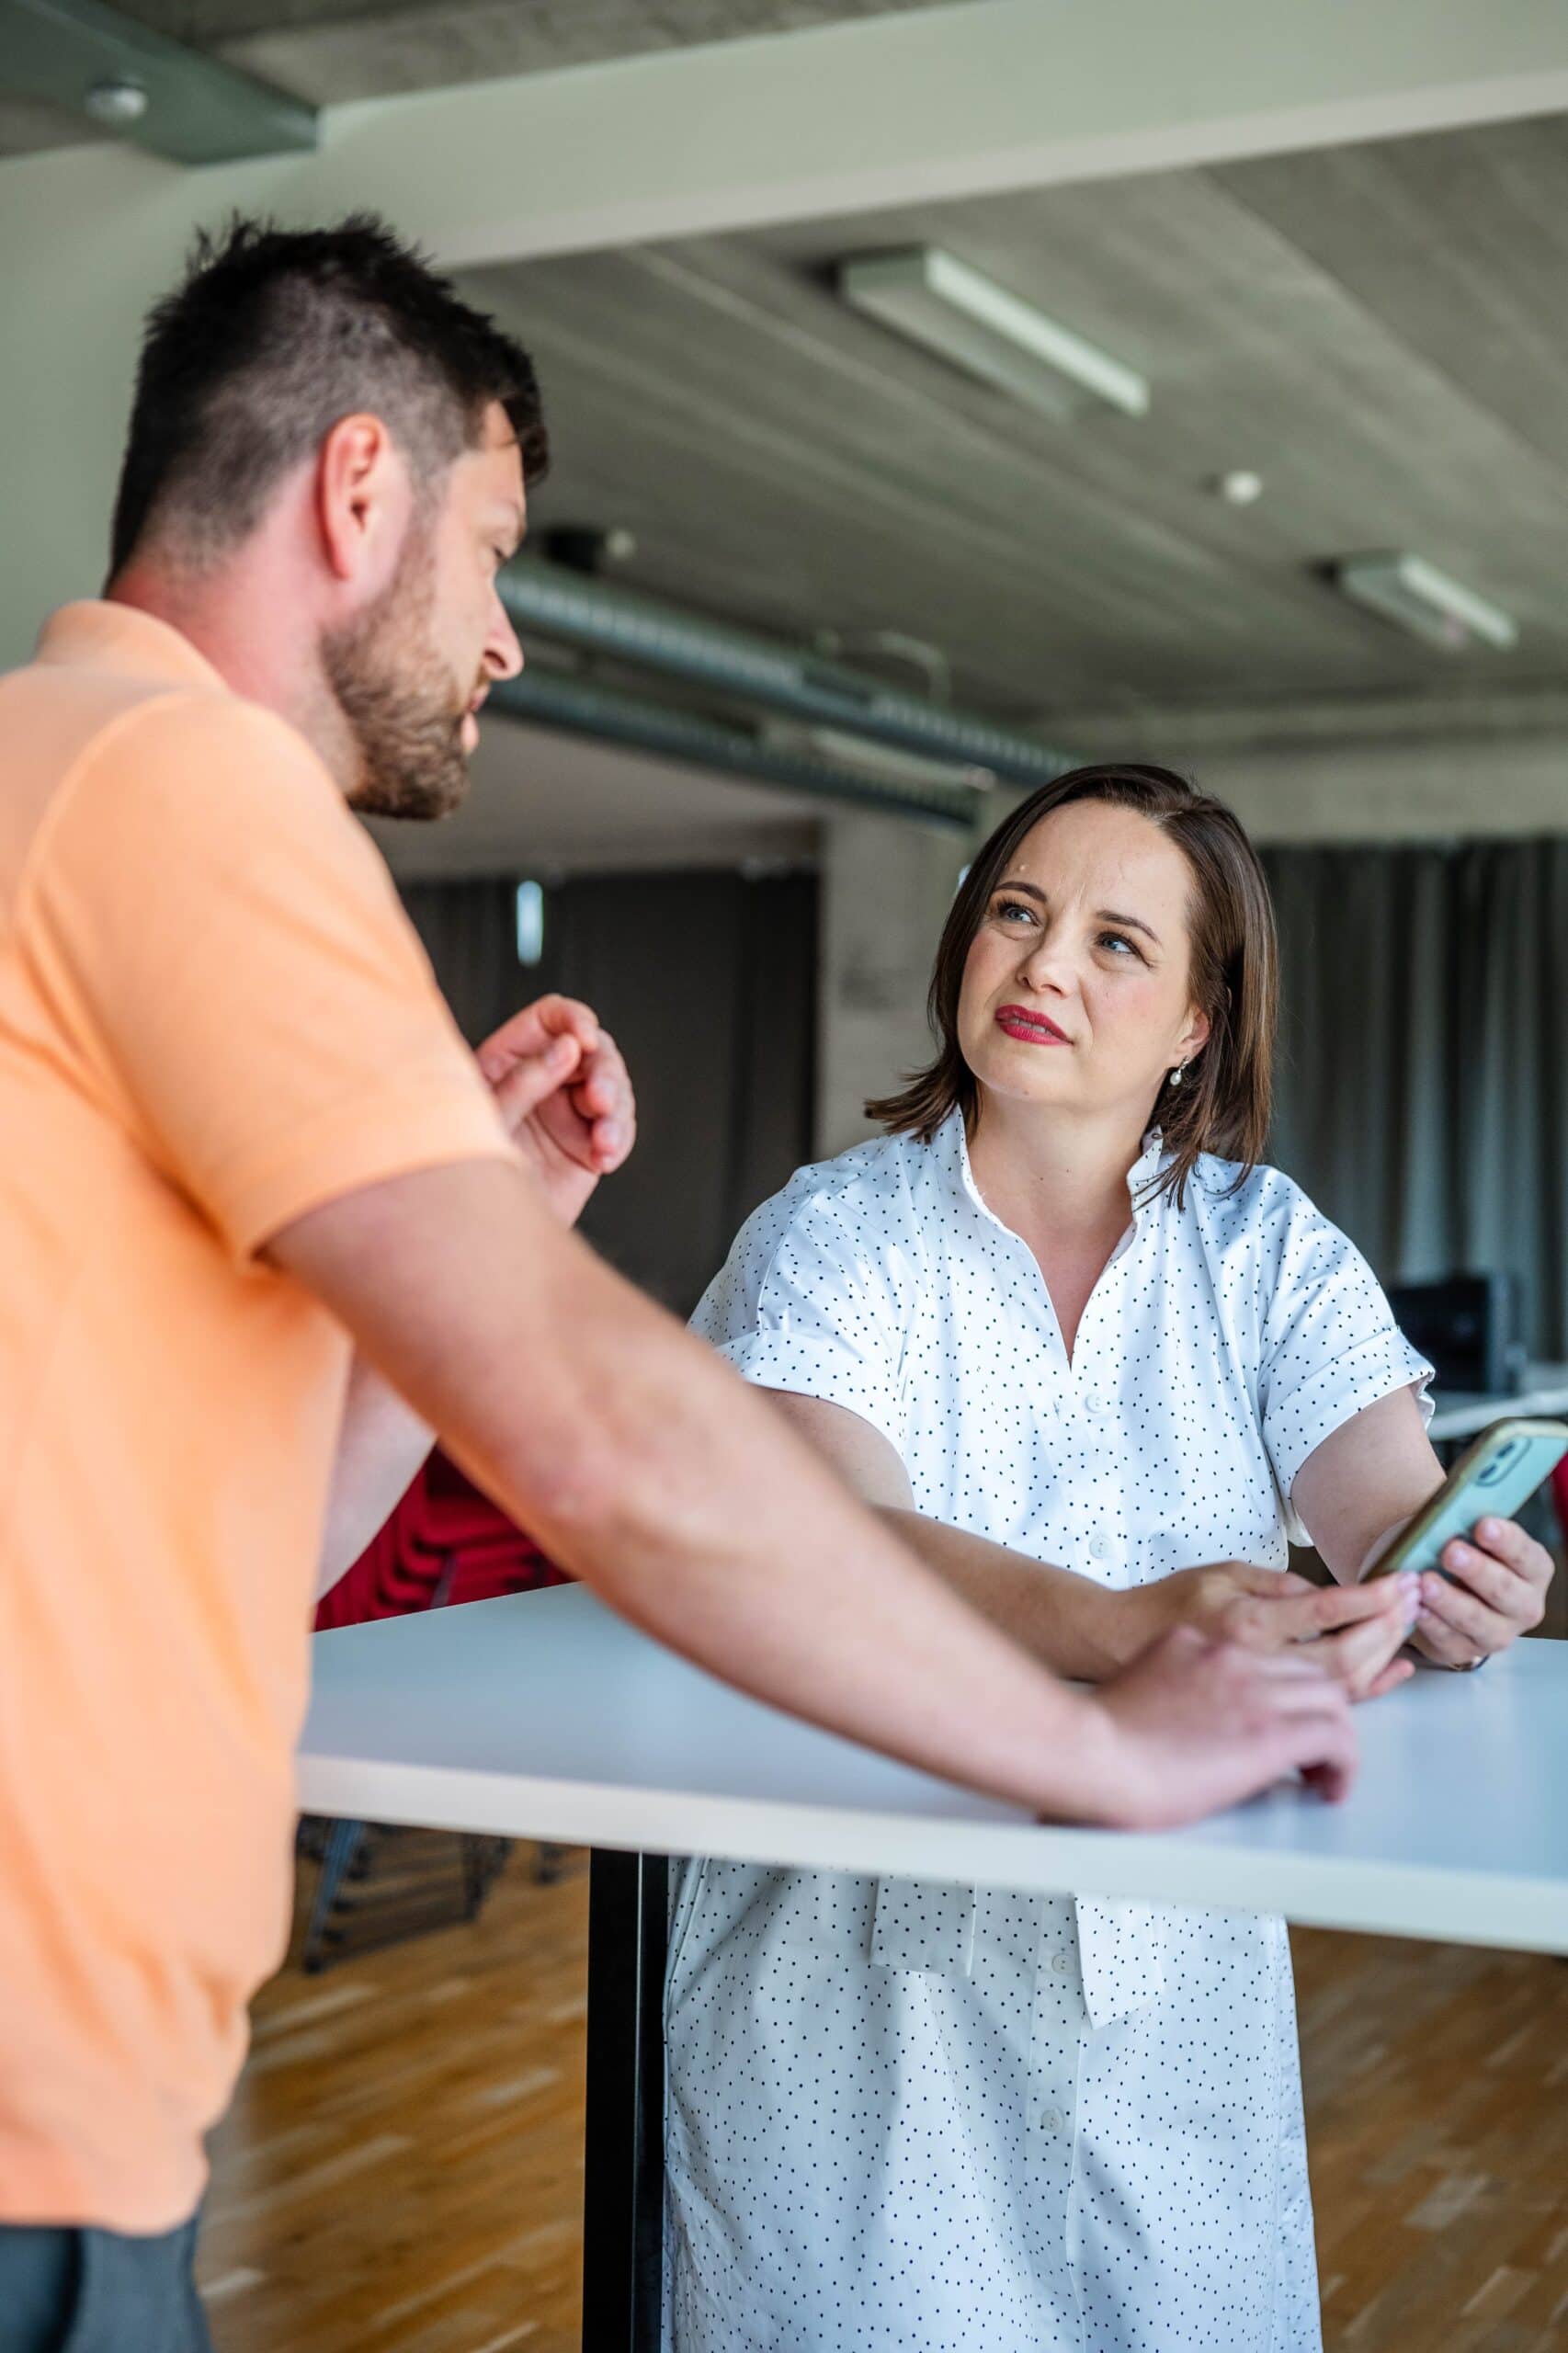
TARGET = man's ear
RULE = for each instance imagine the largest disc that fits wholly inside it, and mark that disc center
(362, 501)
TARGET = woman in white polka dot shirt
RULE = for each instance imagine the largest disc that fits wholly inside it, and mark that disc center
(1096, 1364)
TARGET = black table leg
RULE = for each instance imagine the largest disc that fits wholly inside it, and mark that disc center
(623, 2184)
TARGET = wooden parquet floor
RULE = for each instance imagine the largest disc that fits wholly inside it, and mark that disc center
(401, 2170)
(1436, 2096)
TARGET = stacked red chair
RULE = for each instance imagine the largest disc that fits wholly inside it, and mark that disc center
(445, 1543)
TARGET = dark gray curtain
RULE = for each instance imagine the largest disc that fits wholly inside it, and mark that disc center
(470, 931)
(706, 981)
(1423, 1095)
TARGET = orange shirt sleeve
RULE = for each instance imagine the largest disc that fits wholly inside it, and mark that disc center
(225, 954)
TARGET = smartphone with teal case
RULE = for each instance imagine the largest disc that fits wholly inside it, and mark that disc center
(1492, 1479)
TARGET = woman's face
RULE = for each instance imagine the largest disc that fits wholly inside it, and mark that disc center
(1076, 987)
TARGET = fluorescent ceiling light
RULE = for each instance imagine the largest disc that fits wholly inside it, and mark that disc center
(1408, 590)
(937, 300)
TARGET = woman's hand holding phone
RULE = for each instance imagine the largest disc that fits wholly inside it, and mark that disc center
(1493, 1590)
(1484, 1580)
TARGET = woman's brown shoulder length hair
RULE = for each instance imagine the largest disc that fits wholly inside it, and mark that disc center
(1222, 1106)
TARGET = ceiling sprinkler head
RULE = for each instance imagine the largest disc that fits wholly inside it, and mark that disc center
(588, 546)
(116, 102)
(1240, 487)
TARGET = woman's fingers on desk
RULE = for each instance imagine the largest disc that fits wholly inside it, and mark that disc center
(1357, 1630)
(1365, 1657)
(1493, 1592)
(1360, 1630)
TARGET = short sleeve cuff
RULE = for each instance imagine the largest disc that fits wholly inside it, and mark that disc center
(1297, 1425)
(430, 1122)
(795, 1363)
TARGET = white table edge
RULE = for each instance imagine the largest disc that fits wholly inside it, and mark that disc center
(1511, 1910)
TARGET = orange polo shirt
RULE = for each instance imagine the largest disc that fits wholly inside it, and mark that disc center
(213, 1016)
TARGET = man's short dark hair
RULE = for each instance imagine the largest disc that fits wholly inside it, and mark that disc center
(273, 337)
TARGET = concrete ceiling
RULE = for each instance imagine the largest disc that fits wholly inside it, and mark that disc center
(330, 50)
(1376, 327)
(1378, 330)
(559, 805)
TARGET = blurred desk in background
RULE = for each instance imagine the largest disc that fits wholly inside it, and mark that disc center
(1461, 1413)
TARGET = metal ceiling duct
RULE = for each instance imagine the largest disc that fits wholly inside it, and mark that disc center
(581, 706)
(637, 630)
(156, 93)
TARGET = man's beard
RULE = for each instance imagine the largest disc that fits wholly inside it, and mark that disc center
(403, 715)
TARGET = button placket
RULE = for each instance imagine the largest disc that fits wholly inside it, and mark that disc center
(1057, 2022)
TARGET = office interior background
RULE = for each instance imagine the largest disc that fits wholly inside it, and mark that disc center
(937, 394)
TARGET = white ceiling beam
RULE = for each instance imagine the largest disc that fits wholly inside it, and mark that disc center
(946, 102)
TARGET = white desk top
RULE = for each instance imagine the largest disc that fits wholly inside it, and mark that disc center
(1463, 1413)
(541, 1716)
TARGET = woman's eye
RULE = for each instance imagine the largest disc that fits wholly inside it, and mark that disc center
(1118, 939)
(1014, 907)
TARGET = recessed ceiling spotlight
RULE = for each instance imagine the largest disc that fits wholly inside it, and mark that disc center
(589, 547)
(934, 299)
(117, 102)
(1239, 487)
(1411, 592)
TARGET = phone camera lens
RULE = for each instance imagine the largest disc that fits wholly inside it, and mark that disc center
(1499, 1463)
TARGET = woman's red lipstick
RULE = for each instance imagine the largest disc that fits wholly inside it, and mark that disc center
(1030, 1029)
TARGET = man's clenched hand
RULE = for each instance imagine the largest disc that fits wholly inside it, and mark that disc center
(565, 1095)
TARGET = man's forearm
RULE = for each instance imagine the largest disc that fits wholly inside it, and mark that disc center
(642, 1464)
(688, 1515)
(1073, 1625)
(381, 1446)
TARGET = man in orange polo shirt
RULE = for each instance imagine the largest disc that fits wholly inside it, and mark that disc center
(244, 1142)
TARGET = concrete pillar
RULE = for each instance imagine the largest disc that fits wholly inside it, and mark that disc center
(887, 886)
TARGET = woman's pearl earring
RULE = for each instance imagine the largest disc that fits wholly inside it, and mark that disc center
(1175, 1074)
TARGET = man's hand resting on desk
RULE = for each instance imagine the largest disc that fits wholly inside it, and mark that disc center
(1198, 1722)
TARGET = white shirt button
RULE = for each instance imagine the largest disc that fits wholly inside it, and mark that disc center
(1059, 1964)
(1098, 1404)
(1051, 2120)
(1099, 1548)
